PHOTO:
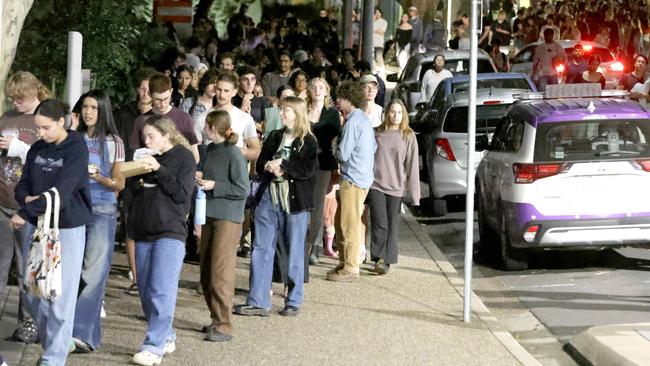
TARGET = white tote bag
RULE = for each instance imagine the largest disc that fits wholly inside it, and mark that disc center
(43, 271)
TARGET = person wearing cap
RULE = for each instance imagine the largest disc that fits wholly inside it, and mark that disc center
(433, 77)
(372, 110)
(363, 68)
(418, 29)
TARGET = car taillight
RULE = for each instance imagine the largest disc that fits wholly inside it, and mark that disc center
(444, 149)
(645, 164)
(559, 68)
(491, 102)
(616, 67)
(587, 48)
(528, 173)
(530, 233)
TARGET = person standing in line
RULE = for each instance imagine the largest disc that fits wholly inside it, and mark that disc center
(248, 143)
(105, 155)
(326, 125)
(372, 110)
(271, 81)
(199, 105)
(58, 160)
(501, 29)
(396, 171)
(246, 100)
(223, 175)
(433, 77)
(355, 153)
(378, 31)
(158, 224)
(17, 133)
(289, 158)
(124, 121)
(418, 29)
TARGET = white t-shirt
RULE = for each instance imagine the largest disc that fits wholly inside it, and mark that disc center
(377, 40)
(243, 125)
(544, 54)
(430, 82)
(375, 115)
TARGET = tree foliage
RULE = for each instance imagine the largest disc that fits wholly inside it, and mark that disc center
(117, 41)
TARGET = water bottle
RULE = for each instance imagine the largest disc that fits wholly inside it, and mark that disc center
(199, 207)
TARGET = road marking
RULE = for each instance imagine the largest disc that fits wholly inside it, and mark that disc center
(556, 285)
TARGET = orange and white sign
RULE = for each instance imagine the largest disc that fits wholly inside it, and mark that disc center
(175, 11)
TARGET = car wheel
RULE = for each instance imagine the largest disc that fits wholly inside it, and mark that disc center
(439, 206)
(489, 238)
(512, 259)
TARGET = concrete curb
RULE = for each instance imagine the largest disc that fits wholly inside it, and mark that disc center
(454, 278)
(615, 344)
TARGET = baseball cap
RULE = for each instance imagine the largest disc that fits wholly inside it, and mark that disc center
(367, 79)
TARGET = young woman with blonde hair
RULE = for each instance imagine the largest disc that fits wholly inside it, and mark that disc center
(396, 171)
(17, 133)
(157, 223)
(289, 160)
(223, 175)
(326, 125)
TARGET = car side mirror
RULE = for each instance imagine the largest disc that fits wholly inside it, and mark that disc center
(482, 143)
(421, 107)
(392, 78)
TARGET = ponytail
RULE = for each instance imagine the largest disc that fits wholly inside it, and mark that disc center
(220, 122)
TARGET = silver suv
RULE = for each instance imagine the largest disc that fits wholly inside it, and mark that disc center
(445, 143)
(410, 81)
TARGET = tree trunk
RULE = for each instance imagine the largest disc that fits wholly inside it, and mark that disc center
(12, 17)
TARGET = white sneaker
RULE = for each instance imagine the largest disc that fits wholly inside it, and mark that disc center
(146, 358)
(170, 347)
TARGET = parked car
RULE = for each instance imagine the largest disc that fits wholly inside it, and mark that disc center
(611, 69)
(445, 144)
(426, 111)
(410, 80)
(565, 173)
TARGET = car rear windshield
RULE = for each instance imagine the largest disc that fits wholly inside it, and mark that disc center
(592, 140)
(459, 67)
(493, 83)
(604, 53)
(487, 117)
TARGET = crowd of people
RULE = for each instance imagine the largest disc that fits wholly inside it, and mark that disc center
(289, 141)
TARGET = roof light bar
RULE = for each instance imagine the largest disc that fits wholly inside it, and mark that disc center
(555, 91)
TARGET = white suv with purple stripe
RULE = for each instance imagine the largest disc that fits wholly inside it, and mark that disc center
(565, 173)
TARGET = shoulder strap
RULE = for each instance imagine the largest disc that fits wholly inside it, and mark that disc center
(48, 211)
(57, 207)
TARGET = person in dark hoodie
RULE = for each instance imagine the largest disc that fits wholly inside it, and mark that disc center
(157, 223)
(58, 160)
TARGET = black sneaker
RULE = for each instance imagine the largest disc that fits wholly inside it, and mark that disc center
(216, 336)
(245, 251)
(250, 310)
(289, 311)
(381, 268)
(26, 333)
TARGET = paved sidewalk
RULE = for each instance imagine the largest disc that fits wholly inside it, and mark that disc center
(412, 316)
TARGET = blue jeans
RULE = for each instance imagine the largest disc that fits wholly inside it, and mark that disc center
(158, 265)
(270, 220)
(54, 319)
(100, 239)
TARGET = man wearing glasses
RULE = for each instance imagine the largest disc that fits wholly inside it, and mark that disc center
(160, 87)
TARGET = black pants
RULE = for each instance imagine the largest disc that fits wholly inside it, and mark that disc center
(315, 231)
(384, 218)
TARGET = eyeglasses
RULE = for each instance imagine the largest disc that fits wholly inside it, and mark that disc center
(162, 100)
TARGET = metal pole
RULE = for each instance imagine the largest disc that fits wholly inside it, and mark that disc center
(367, 48)
(73, 81)
(471, 143)
(347, 24)
(449, 21)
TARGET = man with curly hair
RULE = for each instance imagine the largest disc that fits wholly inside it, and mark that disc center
(355, 153)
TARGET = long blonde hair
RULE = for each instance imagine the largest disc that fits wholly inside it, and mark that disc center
(404, 128)
(23, 84)
(328, 97)
(302, 127)
(166, 126)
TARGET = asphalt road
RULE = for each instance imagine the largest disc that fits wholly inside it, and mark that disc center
(560, 295)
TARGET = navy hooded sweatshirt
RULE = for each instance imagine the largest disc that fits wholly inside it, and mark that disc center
(64, 166)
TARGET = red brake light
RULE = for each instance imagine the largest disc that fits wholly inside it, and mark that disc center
(444, 149)
(491, 102)
(528, 173)
(530, 233)
(645, 164)
(616, 66)
(587, 48)
(559, 68)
